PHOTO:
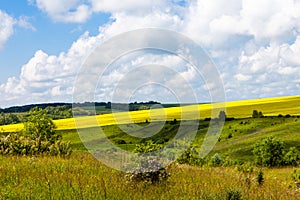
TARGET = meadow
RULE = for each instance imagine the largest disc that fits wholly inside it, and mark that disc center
(83, 177)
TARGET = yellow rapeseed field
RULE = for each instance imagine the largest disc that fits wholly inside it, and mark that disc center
(238, 109)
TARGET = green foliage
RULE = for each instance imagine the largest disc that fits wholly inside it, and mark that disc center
(257, 114)
(260, 177)
(233, 194)
(39, 125)
(148, 170)
(296, 177)
(269, 152)
(147, 147)
(190, 157)
(216, 160)
(292, 157)
(14, 144)
(245, 168)
(10, 118)
(59, 112)
(39, 138)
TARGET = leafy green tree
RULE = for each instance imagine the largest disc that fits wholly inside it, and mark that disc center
(255, 114)
(269, 152)
(292, 157)
(39, 125)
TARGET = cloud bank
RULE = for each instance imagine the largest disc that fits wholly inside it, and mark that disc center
(255, 45)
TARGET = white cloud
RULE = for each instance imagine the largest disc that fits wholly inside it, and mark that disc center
(255, 44)
(113, 6)
(65, 10)
(6, 27)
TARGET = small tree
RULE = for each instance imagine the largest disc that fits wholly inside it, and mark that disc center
(292, 157)
(39, 125)
(222, 115)
(255, 114)
(269, 152)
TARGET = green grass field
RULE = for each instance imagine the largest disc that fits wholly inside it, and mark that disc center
(83, 177)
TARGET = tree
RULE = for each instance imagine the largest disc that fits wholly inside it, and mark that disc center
(269, 152)
(255, 114)
(39, 125)
(222, 115)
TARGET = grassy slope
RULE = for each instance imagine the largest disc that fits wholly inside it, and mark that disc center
(244, 134)
(83, 177)
(237, 109)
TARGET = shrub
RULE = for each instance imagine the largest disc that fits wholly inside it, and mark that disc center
(216, 160)
(296, 177)
(147, 147)
(269, 152)
(39, 125)
(292, 157)
(229, 135)
(148, 169)
(39, 138)
(14, 144)
(190, 157)
(233, 194)
(260, 177)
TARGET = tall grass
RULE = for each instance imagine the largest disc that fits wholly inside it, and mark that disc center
(83, 177)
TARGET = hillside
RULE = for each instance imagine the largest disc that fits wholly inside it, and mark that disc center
(237, 109)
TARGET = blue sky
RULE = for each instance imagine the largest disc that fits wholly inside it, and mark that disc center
(254, 44)
(50, 36)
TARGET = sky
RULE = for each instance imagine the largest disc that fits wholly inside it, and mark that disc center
(254, 44)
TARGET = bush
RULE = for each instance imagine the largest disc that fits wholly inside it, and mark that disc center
(296, 177)
(148, 169)
(292, 157)
(216, 160)
(147, 147)
(269, 152)
(260, 177)
(39, 138)
(14, 144)
(150, 172)
(190, 157)
(233, 194)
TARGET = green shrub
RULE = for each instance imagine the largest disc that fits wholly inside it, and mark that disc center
(292, 157)
(233, 194)
(14, 144)
(147, 147)
(216, 160)
(260, 177)
(147, 168)
(39, 138)
(269, 152)
(296, 177)
(190, 157)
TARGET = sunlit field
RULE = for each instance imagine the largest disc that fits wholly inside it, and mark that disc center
(84, 177)
(236, 109)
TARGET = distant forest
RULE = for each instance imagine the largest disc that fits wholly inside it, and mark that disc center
(108, 105)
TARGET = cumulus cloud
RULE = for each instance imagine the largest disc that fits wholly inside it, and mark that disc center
(255, 45)
(65, 10)
(48, 78)
(6, 27)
